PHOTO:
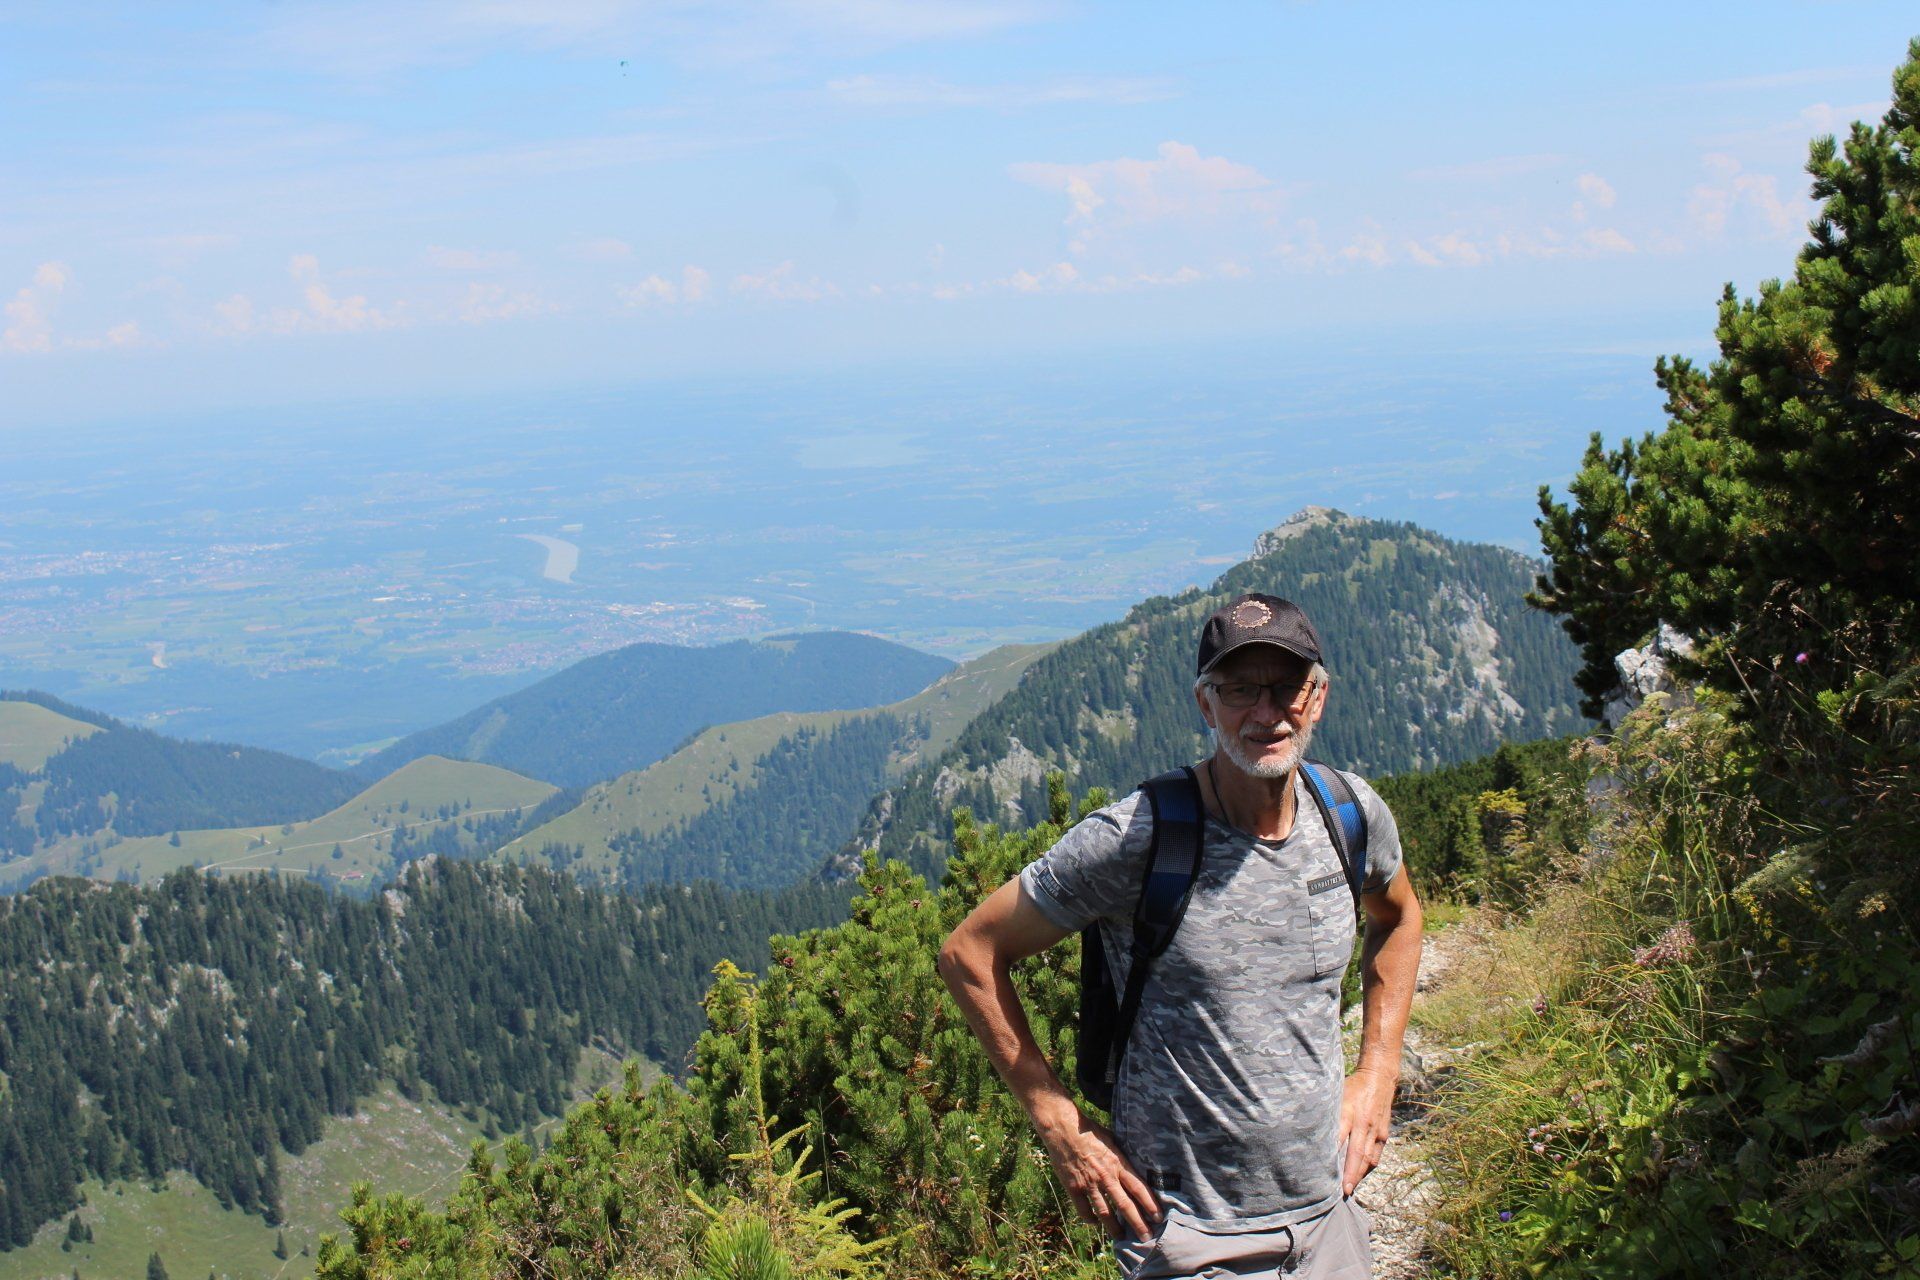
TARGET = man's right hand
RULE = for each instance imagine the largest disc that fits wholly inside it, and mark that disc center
(976, 963)
(1104, 1187)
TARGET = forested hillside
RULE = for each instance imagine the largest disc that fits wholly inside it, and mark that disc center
(812, 788)
(765, 801)
(138, 782)
(625, 709)
(1434, 655)
(209, 1025)
(450, 807)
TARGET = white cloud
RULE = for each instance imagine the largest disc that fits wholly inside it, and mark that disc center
(1606, 240)
(1060, 275)
(784, 284)
(656, 290)
(651, 290)
(125, 334)
(928, 91)
(470, 259)
(29, 320)
(234, 314)
(320, 310)
(324, 310)
(488, 302)
(1597, 189)
(1731, 192)
(1178, 184)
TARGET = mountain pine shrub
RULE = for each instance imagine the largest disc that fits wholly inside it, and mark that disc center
(852, 1039)
(1702, 1051)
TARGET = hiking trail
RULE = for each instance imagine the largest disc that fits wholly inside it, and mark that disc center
(1399, 1194)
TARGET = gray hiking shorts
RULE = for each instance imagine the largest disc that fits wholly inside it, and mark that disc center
(1332, 1246)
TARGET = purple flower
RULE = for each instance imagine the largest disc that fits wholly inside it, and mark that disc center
(1506, 1215)
(1800, 658)
(1540, 1005)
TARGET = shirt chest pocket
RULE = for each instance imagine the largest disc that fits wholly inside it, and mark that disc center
(1330, 907)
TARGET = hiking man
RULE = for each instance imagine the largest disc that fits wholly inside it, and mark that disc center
(1237, 1137)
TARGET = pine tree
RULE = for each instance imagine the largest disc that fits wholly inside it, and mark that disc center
(156, 1269)
(1778, 513)
(280, 1246)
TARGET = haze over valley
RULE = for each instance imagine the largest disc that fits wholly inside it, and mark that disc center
(325, 580)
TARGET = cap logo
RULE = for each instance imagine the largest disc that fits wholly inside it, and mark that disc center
(1251, 614)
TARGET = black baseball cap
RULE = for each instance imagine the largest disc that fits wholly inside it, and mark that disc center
(1256, 618)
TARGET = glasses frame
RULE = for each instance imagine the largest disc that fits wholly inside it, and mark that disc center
(1298, 696)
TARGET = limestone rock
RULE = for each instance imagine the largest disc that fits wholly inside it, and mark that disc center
(1649, 670)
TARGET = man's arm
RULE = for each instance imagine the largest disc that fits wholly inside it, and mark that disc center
(1389, 963)
(976, 963)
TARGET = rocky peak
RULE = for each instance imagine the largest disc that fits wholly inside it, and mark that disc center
(1293, 526)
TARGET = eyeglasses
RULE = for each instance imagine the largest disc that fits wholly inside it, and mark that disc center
(1240, 694)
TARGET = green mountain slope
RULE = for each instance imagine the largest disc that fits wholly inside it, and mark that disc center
(69, 775)
(432, 805)
(212, 1025)
(30, 733)
(764, 801)
(626, 709)
(1434, 655)
(416, 1145)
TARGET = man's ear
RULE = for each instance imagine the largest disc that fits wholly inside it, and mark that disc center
(1200, 699)
(1318, 706)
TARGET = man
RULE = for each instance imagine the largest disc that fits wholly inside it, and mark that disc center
(1230, 1111)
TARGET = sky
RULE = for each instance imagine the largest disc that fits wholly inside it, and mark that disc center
(212, 206)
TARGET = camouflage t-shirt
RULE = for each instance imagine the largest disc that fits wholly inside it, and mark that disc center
(1228, 1100)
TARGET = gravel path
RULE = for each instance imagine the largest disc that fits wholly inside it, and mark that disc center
(1400, 1192)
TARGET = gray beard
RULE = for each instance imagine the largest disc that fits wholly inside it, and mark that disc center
(1274, 767)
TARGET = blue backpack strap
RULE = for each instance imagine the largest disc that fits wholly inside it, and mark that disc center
(1173, 864)
(1345, 820)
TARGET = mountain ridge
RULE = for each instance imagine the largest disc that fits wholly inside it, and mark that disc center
(625, 709)
(1432, 634)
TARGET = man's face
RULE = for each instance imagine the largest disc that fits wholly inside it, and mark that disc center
(1270, 737)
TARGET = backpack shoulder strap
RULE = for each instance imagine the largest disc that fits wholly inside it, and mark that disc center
(1173, 864)
(1345, 819)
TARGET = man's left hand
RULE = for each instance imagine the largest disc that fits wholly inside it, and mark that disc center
(1366, 1118)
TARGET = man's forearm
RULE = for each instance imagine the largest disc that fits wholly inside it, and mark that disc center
(987, 998)
(1389, 965)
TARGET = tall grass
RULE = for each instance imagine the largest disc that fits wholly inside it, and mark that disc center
(1675, 1077)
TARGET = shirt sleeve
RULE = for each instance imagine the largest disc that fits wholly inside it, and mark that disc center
(1094, 871)
(1383, 837)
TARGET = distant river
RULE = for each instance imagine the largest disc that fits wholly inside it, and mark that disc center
(563, 557)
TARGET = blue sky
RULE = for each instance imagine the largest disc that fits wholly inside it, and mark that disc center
(211, 206)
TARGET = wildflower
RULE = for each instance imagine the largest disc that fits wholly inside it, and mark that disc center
(1506, 1215)
(1540, 1005)
(1675, 946)
(1539, 1148)
(1800, 658)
